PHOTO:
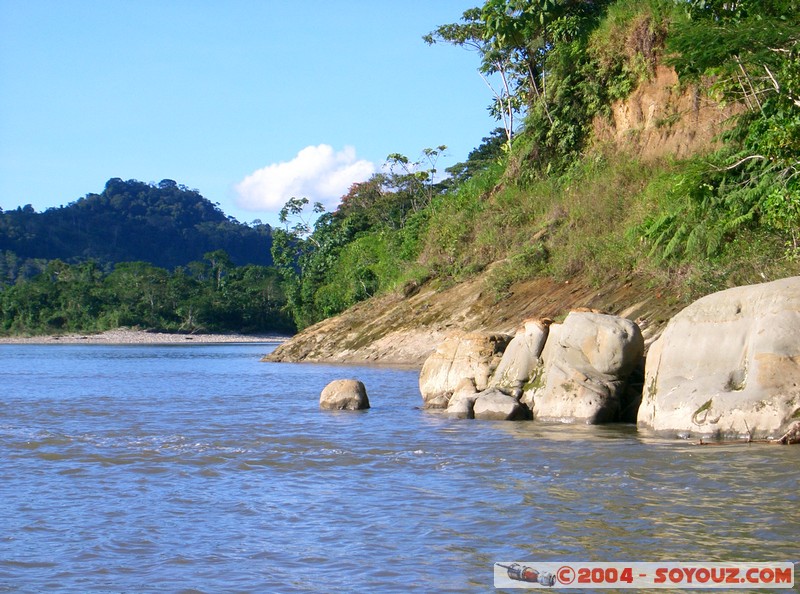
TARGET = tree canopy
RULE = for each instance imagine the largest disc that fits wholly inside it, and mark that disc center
(211, 295)
(554, 68)
(165, 224)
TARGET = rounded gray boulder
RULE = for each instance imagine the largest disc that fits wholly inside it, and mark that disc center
(463, 355)
(344, 394)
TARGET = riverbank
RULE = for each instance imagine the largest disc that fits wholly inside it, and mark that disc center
(131, 336)
(403, 328)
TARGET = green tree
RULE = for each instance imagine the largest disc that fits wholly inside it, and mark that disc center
(513, 39)
(291, 247)
(490, 151)
(473, 34)
(137, 293)
(293, 212)
(220, 263)
(752, 49)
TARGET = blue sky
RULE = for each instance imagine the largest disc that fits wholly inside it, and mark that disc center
(248, 101)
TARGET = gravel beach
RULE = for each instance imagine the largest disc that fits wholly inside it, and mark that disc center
(129, 336)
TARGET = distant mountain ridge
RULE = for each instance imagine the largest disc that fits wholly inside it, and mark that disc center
(165, 224)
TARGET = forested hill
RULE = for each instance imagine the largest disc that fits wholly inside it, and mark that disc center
(165, 224)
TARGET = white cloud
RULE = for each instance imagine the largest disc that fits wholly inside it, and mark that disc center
(317, 173)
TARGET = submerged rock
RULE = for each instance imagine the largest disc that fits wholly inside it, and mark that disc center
(728, 364)
(344, 394)
(792, 436)
(463, 400)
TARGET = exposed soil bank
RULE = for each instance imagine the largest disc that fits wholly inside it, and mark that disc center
(401, 329)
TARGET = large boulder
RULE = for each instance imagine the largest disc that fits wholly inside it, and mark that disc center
(728, 365)
(461, 356)
(344, 394)
(584, 369)
(521, 357)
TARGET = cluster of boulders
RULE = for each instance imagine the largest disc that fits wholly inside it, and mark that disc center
(727, 365)
(574, 371)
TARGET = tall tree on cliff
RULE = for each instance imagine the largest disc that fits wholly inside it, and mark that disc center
(513, 39)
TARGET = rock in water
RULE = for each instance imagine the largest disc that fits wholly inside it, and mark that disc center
(462, 400)
(521, 357)
(472, 356)
(728, 365)
(344, 394)
(493, 405)
(585, 365)
(792, 436)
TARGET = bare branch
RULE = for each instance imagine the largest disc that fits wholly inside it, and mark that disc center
(749, 83)
(740, 162)
(508, 118)
(542, 99)
(774, 82)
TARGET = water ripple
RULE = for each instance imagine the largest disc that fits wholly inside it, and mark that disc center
(215, 473)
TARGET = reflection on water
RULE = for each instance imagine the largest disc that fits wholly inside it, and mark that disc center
(198, 468)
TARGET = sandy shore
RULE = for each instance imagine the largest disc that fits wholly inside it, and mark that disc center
(128, 336)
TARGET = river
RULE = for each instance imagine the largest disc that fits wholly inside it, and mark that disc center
(198, 468)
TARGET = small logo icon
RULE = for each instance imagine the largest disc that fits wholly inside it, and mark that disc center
(523, 573)
(566, 575)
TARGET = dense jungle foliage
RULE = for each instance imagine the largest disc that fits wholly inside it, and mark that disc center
(165, 224)
(537, 197)
(211, 295)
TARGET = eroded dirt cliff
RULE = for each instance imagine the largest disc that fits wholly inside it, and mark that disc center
(664, 118)
(400, 329)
